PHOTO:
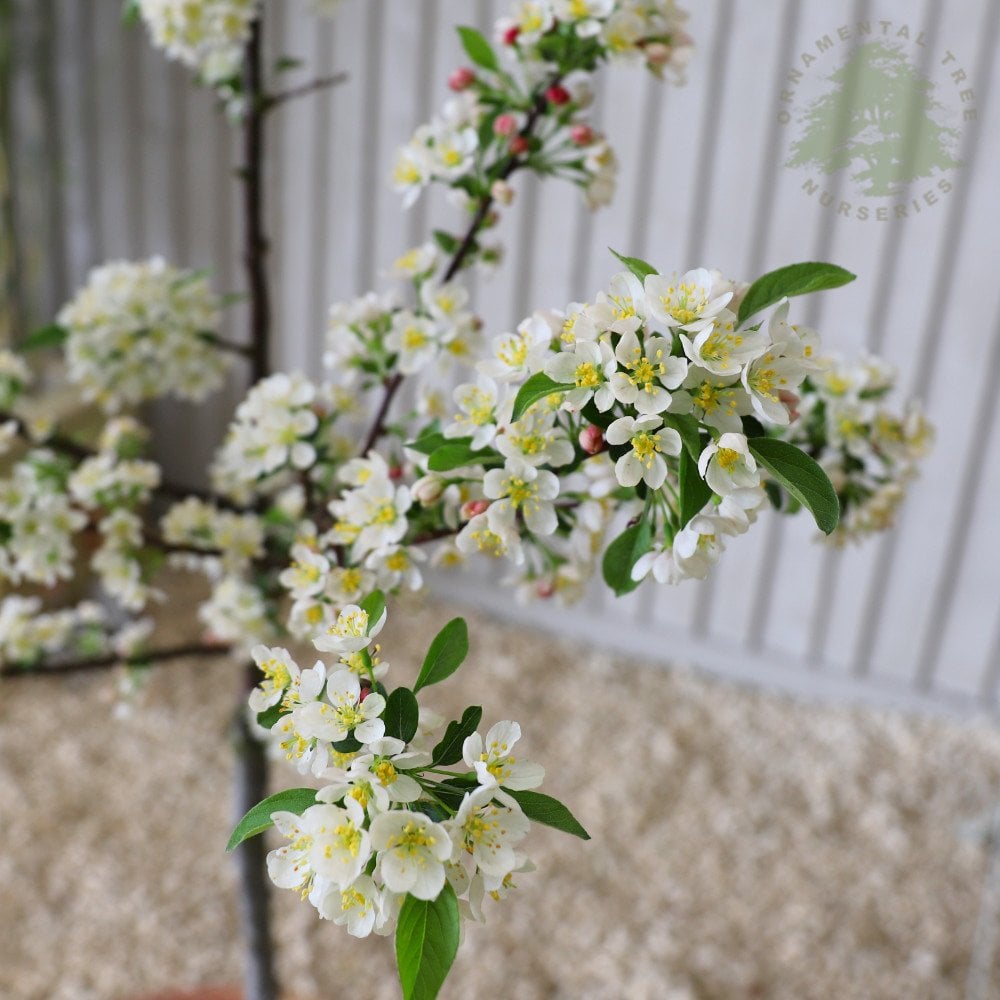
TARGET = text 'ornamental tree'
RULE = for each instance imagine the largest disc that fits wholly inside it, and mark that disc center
(630, 434)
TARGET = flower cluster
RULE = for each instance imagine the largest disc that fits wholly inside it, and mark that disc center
(533, 115)
(208, 36)
(390, 821)
(141, 330)
(869, 452)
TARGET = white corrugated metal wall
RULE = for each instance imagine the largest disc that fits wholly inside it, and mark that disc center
(141, 166)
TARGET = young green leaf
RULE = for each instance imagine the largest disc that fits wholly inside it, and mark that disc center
(445, 655)
(448, 243)
(427, 936)
(623, 553)
(537, 387)
(270, 716)
(477, 48)
(804, 479)
(795, 279)
(374, 604)
(258, 819)
(428, 443)
(695, 492)
(548, 811)
(638, 267)
(449, 750)
(401, 714)
(47, 336)
(455, 455)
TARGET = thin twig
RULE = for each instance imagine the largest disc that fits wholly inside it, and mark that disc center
(244, 350)
(86, 664)
(320, 83)
(391, 385)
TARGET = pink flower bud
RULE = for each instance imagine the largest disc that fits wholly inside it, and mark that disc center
(657, 54)
(518, 145)
(395, 472)
(791, 402)
(504, 124)
(461, 79)
(510, 35)
(582, 135)
(545, 588)
(557, 95)
(502, 192)
(365, 691)
(473, 507)
(592, 439)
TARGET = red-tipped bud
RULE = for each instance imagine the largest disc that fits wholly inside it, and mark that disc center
(545, 588)
(582, 135)
(461, 79)
(510, 35)
(395, 472)
(557, 95)
(473, 507)
(518, 145)
(365, 691)
(592, 439)
(504, 125)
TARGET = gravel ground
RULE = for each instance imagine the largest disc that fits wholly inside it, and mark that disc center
(745, 846)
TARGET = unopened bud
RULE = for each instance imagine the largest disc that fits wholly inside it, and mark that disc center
(790, 401)
(557, 95)
(473, 507)
(510, 35)
(545, 588)
(502, 192)
(592, 439)
(657, 54)
(461, 79)
(395, 472)
(427, 490)
(582, 135)
(504, 124)
(518, 145)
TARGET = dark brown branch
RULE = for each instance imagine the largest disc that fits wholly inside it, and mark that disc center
(320, 83)
(244, 350)
(85, 665)
(255, 242)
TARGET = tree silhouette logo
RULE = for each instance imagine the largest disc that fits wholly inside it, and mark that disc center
(874, 122)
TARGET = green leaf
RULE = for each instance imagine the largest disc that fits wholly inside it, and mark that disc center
(623, 553)
(795, 279)
(477, 48)
(130, 12)
(445, 655)
(374, 604)
(428, 443)
(802, 477)
(47, 336)
(401, 714)
(270, 716)
(689, 430)
(448, 243)
(258, 819)
(537, 387)
(449, 750)
(695, 492)
(285, 63)
(549, 811)
(455, 455)
(638, 267)
(427, 935)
